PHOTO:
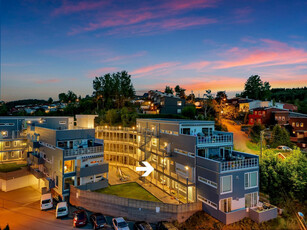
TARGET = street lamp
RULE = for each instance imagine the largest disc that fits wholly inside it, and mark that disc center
(187, 168)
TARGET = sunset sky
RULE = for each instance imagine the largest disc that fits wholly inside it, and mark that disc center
(52, 46)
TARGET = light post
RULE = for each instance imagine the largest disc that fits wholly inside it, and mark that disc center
(187, 168)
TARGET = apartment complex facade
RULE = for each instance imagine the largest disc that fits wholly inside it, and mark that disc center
(192, 162)
(60, 153)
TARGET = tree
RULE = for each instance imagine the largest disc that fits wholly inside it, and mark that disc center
(63, 97)
(180, 92)
(168, 90)
(50, 100)
(112, 116)
(116, 88)
(280, 136)
(256, 89)
(189, 111)
(71, 96)
(209, 105)
(254, 132)
(221, 97)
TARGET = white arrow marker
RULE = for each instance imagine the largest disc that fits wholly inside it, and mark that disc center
(148, 168)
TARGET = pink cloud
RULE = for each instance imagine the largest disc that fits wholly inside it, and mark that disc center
(150, 69)
(46, 81)
(271, 54)
(121, 57)
(196, 65)
(72, 7)
(151, 14)
(164, 25)
(101, 71)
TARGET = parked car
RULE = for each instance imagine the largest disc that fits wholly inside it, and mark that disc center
(98, 220)
(80, 218)
(46, 201)
(284, 148)
(120, 224)
(166, 226)
(142, 225)
(61, 209)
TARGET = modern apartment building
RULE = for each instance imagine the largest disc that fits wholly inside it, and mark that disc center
(191, 162)
(58, 152)
(13, 139)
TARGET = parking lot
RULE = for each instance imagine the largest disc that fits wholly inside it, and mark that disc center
(21, 210)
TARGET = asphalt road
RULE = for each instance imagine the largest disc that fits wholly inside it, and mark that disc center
(20, 209)
(239, 138)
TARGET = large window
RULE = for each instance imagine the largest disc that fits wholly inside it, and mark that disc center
(226, 184)
(251, 180)
(69, 166)
(251, 199)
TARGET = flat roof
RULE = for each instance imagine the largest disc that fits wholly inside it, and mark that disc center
(176, 121)
(32, 117)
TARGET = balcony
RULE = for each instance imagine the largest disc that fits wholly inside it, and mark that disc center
(230, 161)
(36, 158)
(82, 151)
(38, 174)
(220, 138)
(239, 164)
(92, 170)
(94, 185)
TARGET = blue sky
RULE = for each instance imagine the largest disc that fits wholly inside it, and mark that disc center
(49, 47)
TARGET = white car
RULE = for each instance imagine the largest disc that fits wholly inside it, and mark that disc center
(120, 224)
(46, 201)
(284, 148)
(61, 209)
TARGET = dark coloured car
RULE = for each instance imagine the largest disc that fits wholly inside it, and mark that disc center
(166, 226)
(142, 225)
(98, 220)
(80, 218)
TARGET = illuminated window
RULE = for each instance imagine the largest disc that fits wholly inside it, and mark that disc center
(283, 118)
(15, 143)
(302, 125)
(179, 103)
(69, 166)
(62, 122)
(256, 112)
(297, 124)
(7, 144)
(178, 110)
(293, 124)
(4, 133)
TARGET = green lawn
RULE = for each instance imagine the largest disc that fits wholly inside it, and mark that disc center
(129, 190)
(10, 167)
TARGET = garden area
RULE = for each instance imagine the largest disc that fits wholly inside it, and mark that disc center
(10, 167)
(129, 190)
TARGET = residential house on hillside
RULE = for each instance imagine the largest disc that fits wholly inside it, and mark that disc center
(162, 103)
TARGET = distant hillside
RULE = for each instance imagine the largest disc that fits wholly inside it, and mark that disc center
(25, 102)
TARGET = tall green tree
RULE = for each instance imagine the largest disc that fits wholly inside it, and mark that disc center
(180, 92)
(256, 89)
(280, 136)
(116, 88)
(168, 90)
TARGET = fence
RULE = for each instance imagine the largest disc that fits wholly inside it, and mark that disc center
(81, 151)
(132, 209)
